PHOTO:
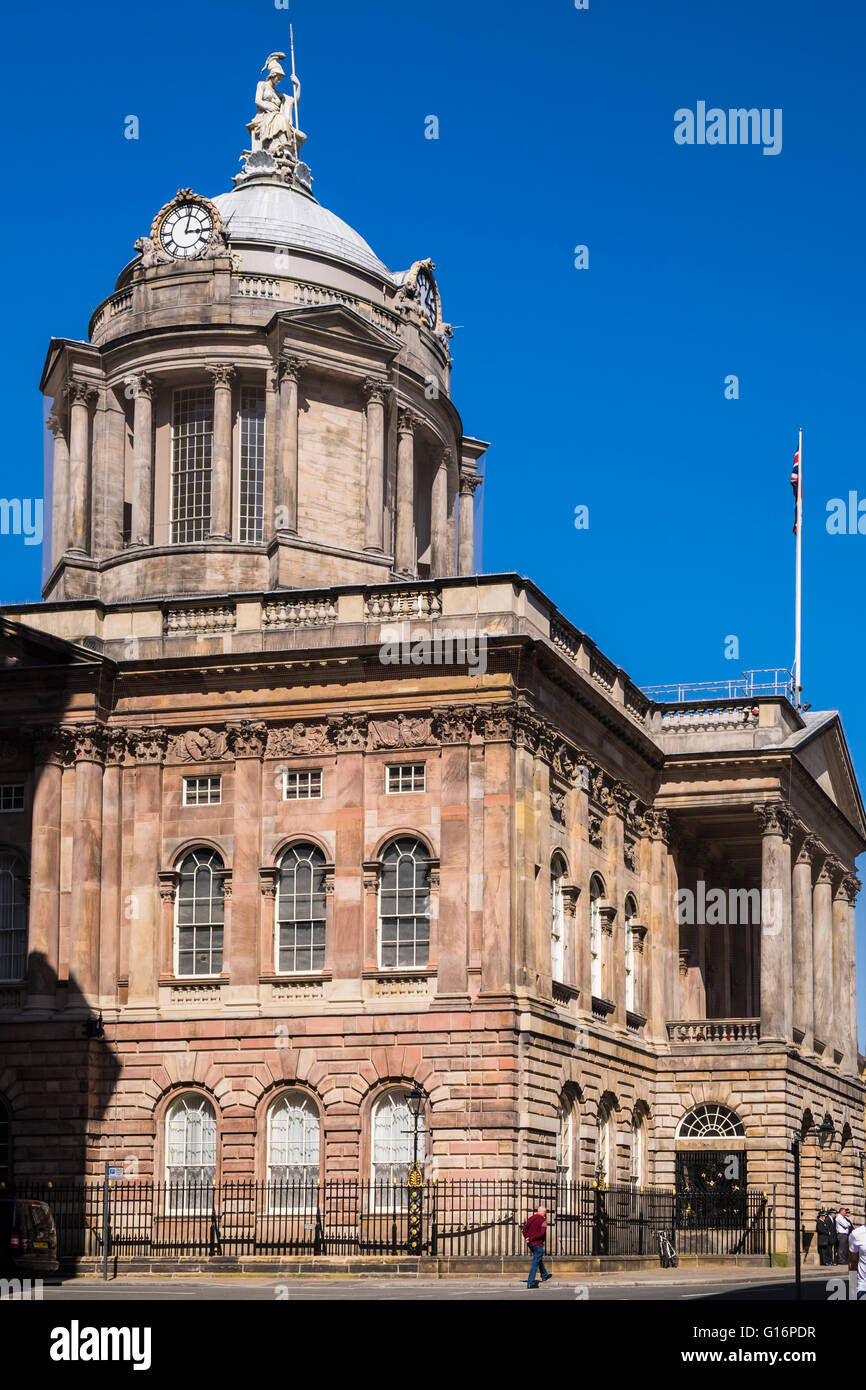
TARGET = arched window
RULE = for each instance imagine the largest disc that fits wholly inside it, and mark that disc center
(200, 914)
(300, 940)
(605, 1145)
(190, 1153)
(5, 1144)
(393, 1136)
(596, 953)
(630, 972)
(13, 916)
(566, 1141)
(557, 919)
(293, 1151)
(404, 905)
(711, 1122)
(638, 1150)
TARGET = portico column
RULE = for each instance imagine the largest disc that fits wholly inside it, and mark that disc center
(776, 952)
(854, 885)
(404, 557)
(801, 924)
(466, 523)
(59, 488)
(842, 977)
(142, 465)
(439, 516)
(822, 954)
(286, 492)
(221, 462)
(51, 746)
(81, 396)
(88, 742)
(374, 392)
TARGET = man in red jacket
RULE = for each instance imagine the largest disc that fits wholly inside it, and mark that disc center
(534, 1232)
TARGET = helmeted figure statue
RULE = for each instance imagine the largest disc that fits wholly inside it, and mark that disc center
(274, 128)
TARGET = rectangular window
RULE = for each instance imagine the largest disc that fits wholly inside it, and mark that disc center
(405, 777)
(12, 797)
(202, 791)
(252, 463)
(191, 451)
(302, 786)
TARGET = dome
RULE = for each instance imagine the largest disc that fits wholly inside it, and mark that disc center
(274, 214)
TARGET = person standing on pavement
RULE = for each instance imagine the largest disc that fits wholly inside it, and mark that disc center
(857, 1258)
(535, 1234)
(844, 1227)
(822, 1227)
(831, 1218)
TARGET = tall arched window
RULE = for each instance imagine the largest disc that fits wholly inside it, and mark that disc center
(293, 1151)
(190, 1153)
(596, 950)
(393, 1131)
(300, 940)
(200, 914)
(631, 992)
(566, 1141)
(13, 916)
(404, 905)
(638, 1149)
(5, 1144)
(605, 1144)
(557, 919)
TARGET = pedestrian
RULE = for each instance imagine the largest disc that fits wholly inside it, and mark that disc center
(534, 1233)
(831, 1217)
(844, 1227)
(857, 1258)
(822, 1227)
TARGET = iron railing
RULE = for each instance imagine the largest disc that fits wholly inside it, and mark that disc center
(342, 1216)
(770, 680)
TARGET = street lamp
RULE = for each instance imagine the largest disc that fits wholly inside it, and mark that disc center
(415, 1106)
(825, 1133)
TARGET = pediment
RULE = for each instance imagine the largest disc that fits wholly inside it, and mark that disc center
(340, 321)
(826, 758)
(23, 648)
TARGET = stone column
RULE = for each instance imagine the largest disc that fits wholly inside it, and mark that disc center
(466, 523)
(50, 749)
(854, 886)
(221, 459)
(81, 396)
(453, 493)
(456, 865)
(88, 748)
(404, 558)
(776, 951)
(241, 952)
(286, 492)
(59, 488)
(439, 517)
(147, 754)
(374, 393)
(801, 925)
(822, 955)
(843, 979)
(111, 905)
(142, 462)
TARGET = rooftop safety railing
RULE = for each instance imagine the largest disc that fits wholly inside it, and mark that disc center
(769, 680)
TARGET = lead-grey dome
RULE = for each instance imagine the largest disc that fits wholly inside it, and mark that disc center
(274, 214)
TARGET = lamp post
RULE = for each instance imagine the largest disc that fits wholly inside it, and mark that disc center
(415, 1178)
(825, 1133)
(415, 1106)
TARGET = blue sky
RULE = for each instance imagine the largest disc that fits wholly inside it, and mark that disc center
(602, 387)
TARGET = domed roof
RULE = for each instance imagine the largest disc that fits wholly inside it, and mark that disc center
(277, 215)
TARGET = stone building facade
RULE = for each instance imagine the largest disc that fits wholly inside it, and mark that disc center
(299, 811)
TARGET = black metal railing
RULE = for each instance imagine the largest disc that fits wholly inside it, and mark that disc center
(342, 1216)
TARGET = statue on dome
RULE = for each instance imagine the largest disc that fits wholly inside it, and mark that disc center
(274, 128)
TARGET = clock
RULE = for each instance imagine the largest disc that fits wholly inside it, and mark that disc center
(425, 291)
(186, 229)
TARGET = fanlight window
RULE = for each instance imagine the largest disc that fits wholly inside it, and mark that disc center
(200, 914)
(301, 910)
(13, 916)
(190, 1163)
(293, 1151)
(404, 905)
(393, 1143)
(711, 1122)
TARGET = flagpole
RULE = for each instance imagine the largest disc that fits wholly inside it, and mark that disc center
(798, 599)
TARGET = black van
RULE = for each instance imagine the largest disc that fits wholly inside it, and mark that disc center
(28, 1236)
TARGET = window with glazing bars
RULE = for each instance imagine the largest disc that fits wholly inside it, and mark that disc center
(252, 463)
(191, 451)
(200, 914)
(13, 917)
(301, 910)
(404, 906)
(302, 786)
(12, 797)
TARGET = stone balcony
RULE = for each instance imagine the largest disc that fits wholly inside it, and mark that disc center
(684, 1035)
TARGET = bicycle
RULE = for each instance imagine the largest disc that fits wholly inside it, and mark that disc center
(667, 1253)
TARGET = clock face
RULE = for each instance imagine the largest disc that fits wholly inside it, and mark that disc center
(186, 230)
(426, 296)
